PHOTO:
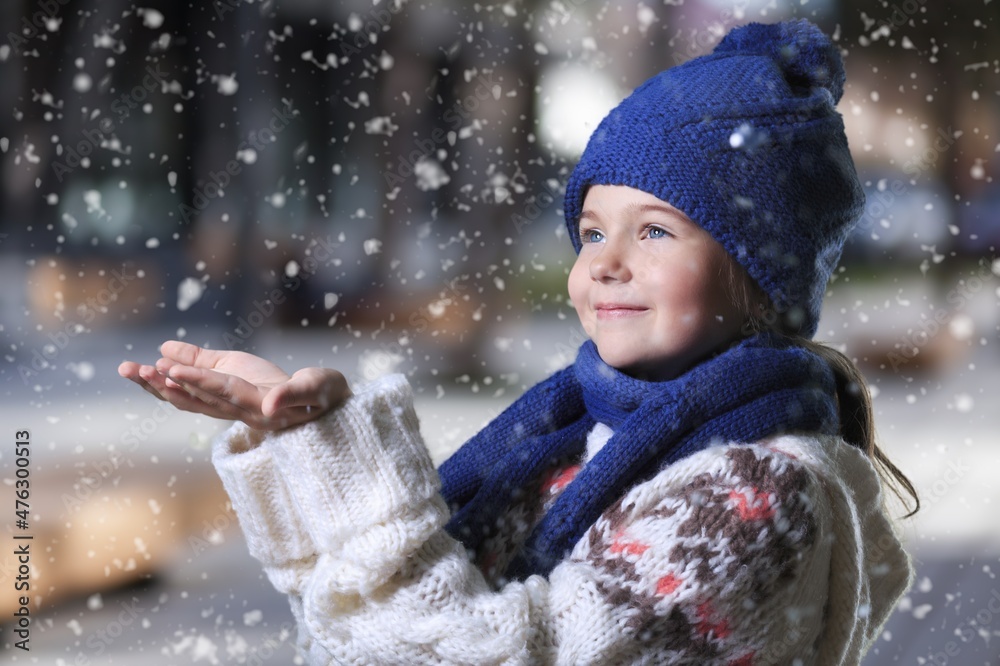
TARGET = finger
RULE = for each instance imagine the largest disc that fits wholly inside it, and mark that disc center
(165, 364)
(231, 397)
(318, 389)
(133, 372)
(162, 388)
(210, 359)
(219, 389)
(154, 383)
(189, 354)
(163, 367)
(175, 395)
(154, 379)
(208, 403)
(130, 370)
(127, 368)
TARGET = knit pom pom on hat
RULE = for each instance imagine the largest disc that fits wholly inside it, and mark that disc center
(803, 51)
(747, 142)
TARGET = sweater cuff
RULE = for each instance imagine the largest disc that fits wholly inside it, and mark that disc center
(362, 471)
(260, 497)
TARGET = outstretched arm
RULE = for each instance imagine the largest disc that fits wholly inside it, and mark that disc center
(666, 574)
(235, 385)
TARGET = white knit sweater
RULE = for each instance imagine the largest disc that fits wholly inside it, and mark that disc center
(773, 553)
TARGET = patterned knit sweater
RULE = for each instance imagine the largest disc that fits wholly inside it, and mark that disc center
(776, 552)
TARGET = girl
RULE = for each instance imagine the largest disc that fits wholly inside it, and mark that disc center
(699, 487)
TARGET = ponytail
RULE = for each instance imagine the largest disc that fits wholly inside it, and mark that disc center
(857, 422)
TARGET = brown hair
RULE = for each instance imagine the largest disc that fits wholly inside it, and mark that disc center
(857, 422)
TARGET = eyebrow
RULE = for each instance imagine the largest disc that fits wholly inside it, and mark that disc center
(634, 208)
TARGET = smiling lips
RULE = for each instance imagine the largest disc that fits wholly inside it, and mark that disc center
(618, 310)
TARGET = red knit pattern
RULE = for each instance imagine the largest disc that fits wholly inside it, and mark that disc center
(758, 508)
(667, 584)
(708, 624)
(628, 547)
(557, 480)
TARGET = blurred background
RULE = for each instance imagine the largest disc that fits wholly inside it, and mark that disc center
(376, 187)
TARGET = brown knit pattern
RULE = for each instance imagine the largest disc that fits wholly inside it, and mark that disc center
(689, 569)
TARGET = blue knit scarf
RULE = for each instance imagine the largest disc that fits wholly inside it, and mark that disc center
(762, 385)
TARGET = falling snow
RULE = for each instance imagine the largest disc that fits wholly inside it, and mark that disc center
(152, 18)
(227, 85)
(189, 292)
(380, 191)
(430, 175)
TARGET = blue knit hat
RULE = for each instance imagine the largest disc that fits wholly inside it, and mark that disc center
(747, 143)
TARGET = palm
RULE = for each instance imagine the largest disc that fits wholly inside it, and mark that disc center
(252, 369)
(237, 385)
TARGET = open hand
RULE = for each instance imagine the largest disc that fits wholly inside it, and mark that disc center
(235, 385)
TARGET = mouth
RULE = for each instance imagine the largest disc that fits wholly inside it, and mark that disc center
(607, 311)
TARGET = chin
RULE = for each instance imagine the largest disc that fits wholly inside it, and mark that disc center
(638, 368)
(645, 372)
(653, 369)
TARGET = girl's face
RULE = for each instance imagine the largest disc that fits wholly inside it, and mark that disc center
(649, 285)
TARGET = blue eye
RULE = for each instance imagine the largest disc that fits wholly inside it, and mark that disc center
(657, 232)
(591, 236)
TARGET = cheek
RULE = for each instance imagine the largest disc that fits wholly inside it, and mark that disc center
(689, 293)
(682, 284)
(710, 298)
(576, 285)
(711, 291)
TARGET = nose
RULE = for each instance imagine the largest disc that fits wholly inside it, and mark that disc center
(610, 263)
